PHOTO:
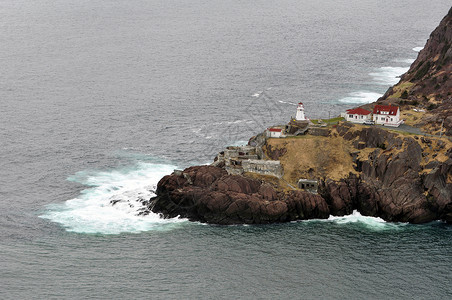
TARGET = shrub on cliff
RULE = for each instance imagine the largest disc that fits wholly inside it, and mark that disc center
(404, 94)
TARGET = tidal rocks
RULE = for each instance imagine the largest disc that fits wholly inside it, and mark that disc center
(208, 194)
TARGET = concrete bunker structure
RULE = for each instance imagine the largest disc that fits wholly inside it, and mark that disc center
(263, 167)
(309, 185)
(240, 152)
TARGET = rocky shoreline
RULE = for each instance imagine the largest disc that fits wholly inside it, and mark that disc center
(399, 181)
(400, 177)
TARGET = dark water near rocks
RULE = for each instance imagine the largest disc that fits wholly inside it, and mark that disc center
(99, 99)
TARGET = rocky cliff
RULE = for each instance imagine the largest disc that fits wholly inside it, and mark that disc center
(209, 194)
(428, 82)
(398, 178)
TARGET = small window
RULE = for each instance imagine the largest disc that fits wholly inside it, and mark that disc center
(350, 116)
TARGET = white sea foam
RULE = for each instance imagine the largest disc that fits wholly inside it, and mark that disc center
(238, 143)
(361, 97)
(284, 102)
(369, 222)
(405, 60)
(388, 75)
(256, 95)
(418, 49)
(93, 211)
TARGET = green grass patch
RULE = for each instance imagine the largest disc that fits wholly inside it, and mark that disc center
(400, 89)
(331, 121)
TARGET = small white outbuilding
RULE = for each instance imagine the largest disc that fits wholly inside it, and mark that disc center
(274, 132)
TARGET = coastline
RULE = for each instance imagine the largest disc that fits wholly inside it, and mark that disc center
(301, 170)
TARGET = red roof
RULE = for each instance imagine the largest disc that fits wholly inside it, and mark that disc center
(275, 129)
(358, 111)
(391, 109)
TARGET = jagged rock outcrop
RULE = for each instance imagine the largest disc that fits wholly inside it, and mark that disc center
(392, 183)
(208, 194)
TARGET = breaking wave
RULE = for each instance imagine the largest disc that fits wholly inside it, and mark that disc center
(361, 97)
(285, 102)
(112, 201)
(418, 49)
(406, 60)
(388, 75)
(368, 222)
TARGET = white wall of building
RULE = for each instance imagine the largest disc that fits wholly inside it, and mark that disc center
(300, 112)
(274, 134)
(386, 118)
(354, 118)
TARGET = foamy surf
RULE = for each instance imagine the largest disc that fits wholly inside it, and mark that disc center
(418, 49)
(238, 143)
(112, 201)
(285, 102)
(369, 222)
(361, 97)
(405, 60)
(388, 75)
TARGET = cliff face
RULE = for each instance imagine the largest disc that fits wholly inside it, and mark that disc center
(428, 82)
(209, 194)
(401, 178)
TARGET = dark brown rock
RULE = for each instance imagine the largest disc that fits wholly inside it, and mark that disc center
(276, 153)
(208, 194)
(391, 184)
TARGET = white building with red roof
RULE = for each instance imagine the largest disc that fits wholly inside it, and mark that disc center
(357, 115)
(275, 132)
(387, 115)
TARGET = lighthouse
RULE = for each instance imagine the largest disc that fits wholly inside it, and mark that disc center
(300, 112)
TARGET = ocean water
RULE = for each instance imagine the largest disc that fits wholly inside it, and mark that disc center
(100, 99)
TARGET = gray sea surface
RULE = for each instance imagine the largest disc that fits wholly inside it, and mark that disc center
(99, 99)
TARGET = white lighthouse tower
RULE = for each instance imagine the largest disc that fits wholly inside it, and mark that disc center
(300, 112)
